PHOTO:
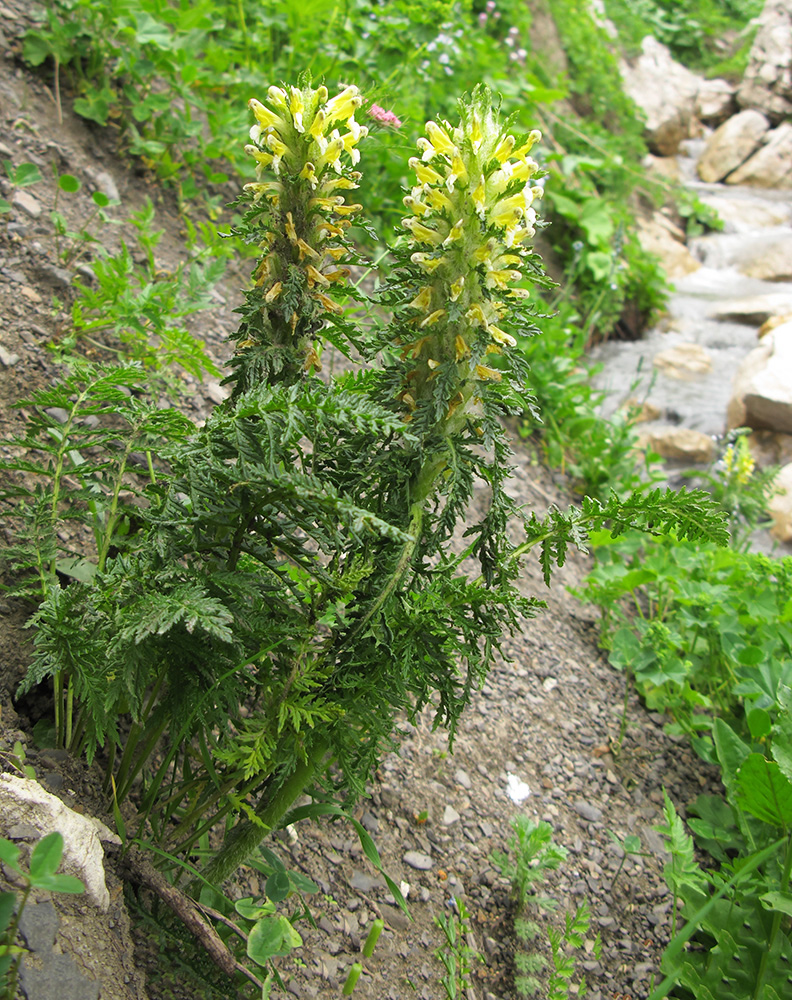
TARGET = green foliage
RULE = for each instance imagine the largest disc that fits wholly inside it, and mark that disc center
(531, 854)
(43, 874)
(456, 954)
(694, 30)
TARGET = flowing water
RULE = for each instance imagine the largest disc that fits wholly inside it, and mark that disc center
(754, 221)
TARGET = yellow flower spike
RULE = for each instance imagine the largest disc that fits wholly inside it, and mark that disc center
(456, 288)
(500, 279)
(439, 201)
(440, 139)
(476, 135)
(308, 173)
(328, 229)
(519, 293)
(347, 209)
(274, 292)
(344, 183)
(424, 173)
(291, 232)
(433, 318)
(265, 117)
(427, 149)
(526, 148)
(278, 97)
(423, 300)
(415, 205)
(257, 190)
(321, 94)
(296, 107)
(504, 148)
(327, 302)
(318, 124)
(331, 155)
(523, 170)
(275, 144)
(501, 337)
(307, 251)
(407, 399)
(493, 349)
(421, 232)
(476, 315)
(537, 193)
(461, 349)
(312, 361)
(478, 196)
(315, 277)
(335, 252)
(457, 231)
(485, 251)
(485, 373)
(458, 173)
(431, 363)
(429, 264)
(343, 105)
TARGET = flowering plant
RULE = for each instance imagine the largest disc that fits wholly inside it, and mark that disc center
(288, 589)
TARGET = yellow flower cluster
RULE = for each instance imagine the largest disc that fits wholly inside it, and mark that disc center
(305, 146)
(471, 213)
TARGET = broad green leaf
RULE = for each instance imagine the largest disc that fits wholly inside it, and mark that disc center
(26, 173)
(759, 722)
(100, 198)
(69, 183)
(731, 753)
(9, 854)
(46, 856)
(253, 911)
(779, 901)
(301, 883)
(59, 883)
(272, 937)
(765, 792)
(77, 568)
(278, 886)
(7, 904)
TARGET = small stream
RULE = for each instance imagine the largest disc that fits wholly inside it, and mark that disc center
(754, 219)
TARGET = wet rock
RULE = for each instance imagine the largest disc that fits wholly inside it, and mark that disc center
(780, 506)
(767, 81)
(684, 361)
(771, 165)
(773, 263)
(666, 92)
(731, 144)
(762, 391)
(755, 309)
(25, 201)
(418, 860)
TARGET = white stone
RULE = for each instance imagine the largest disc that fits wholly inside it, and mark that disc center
(27, 203)
(771, 165)
(517, 790)
(450, 816)
(680, 444)
(658, 235)
(754, 309)
(23, 800)
(666, 92)
(685, 362)
(772, 263)
(731, 144)
(780, 506)
(762, 391)
(714, 101)
(767, 81)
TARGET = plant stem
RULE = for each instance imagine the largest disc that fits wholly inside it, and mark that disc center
(246, 837)
(768, 953)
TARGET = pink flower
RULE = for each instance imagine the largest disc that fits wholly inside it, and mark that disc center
(482, 19)
(384, 117)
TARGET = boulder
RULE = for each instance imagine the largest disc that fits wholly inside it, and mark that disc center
(772, 323)
(771, 165)
(741, 213)
(780, 506)
(762, 390)
(767, 82)
(772, 263)
(731, 144)
(679, 444)
(685, 362)
(714, 101)
(666, 93)
(658, 235)
(754, 309)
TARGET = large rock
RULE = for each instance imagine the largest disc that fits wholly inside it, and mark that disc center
(742, 213)
(714, 101)
(23, 800)
(762, 391)
(666, 93)
(658, 235)
(780, 506)
(771, 165)
(731, 144)
(770, 448)
(767, 83)
(755, 309)
(685, 362)
(679, 444)
(772, 263)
